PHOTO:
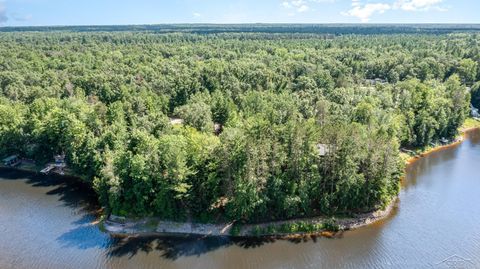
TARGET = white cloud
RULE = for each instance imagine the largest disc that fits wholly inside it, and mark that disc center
(297, 5)
(303, 8)
(364, 12)
(301, 5)
(286, 4)
(414, 5)
(197, 15)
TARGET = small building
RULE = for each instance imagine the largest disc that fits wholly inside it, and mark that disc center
(474, 112)
(59, 161)
(375, 81)
(176, 121)
(57, 167)
(13, 160)
(323, 149)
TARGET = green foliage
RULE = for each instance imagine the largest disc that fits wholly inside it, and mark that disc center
(331, 225)
(467, 70)
(476, 95)
(198, 115)
(291, 228)
(12, 119)
(236, 229)
(308, 125)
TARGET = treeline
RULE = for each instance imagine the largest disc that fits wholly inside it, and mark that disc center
(274, 126)
(324, 29)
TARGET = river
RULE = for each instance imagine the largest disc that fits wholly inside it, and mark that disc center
(46, 223)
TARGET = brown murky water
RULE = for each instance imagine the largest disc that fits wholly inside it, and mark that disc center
(45, 223)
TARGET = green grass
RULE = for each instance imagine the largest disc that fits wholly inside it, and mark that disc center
(470, 123)
(236, 228)
(296, 227)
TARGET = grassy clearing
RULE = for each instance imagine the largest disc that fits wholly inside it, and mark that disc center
(470, 123)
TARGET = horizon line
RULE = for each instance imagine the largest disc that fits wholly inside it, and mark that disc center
(248, 23)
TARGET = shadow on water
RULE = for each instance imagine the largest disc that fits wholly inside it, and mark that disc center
(71, 191)
(81, 199)
(184, 246)
(75, 195)
(84, 237)
(85, 234)
(179, 246)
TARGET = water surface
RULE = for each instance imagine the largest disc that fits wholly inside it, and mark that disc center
(46, 223)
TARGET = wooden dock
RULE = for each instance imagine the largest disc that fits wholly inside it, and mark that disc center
(47, 169)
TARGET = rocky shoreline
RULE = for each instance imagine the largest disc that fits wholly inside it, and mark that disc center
(119, 226)
(151, 226)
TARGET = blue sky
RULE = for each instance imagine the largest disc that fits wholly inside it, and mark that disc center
(101, 12)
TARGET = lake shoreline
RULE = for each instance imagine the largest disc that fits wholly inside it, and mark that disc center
(119, 226)
(460, 138)
(123, 227)
(154, 227)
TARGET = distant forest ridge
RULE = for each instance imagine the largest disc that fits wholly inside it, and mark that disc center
(334, 29)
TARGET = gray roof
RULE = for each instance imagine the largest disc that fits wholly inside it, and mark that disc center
(10, 158)
(323, 149)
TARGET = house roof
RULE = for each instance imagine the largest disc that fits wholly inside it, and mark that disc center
(175, 121)
(323, 149)
(10, 158)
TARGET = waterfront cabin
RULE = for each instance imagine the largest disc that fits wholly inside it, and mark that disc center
(12, 161)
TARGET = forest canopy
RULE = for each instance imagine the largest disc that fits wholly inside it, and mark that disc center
(234, 126)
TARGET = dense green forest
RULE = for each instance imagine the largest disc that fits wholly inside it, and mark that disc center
(275, 125)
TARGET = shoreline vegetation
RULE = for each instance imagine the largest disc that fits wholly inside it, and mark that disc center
(300, 227)
(151, 226)
(322, 226)
(234, 127)
(470, 124)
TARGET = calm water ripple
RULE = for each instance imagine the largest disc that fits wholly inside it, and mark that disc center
(46, 223)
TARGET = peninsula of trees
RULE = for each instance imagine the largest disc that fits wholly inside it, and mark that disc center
(234, 126)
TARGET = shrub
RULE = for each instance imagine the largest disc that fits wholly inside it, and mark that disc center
(331, 225)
